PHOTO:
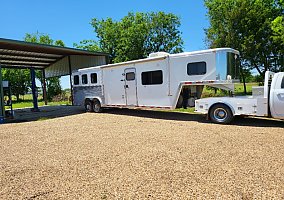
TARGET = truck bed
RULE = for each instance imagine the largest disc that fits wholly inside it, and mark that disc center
(240, 105)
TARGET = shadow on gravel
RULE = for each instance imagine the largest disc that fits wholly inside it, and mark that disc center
(46, 112)
(177, 116)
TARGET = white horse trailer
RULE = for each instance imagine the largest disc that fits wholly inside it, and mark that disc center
(159, 81)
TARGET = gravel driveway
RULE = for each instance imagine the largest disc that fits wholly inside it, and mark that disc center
(131, 154)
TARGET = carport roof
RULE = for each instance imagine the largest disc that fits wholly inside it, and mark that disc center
(19, 54)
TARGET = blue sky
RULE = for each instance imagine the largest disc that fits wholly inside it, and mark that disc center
(69, 20)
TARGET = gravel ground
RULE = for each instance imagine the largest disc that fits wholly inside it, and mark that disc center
(130, 154)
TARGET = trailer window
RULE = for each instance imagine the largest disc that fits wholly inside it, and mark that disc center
(197, 68)
(130, 76)
(84, 79)
(152, 77)
(94, 78)
(282, 84)
(76, 80)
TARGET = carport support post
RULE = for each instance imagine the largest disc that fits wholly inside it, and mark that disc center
(35, 108)
(44, 87)
(71, 85)
(2, 112)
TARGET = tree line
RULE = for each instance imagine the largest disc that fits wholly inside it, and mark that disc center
(254, 27)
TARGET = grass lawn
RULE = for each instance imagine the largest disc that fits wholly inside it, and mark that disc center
(27, 102)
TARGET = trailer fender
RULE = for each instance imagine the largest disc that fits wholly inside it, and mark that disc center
(93, 99)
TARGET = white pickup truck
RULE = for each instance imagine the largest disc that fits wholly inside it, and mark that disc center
(266, 101)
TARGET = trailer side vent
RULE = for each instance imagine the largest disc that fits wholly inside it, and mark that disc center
(240, 108)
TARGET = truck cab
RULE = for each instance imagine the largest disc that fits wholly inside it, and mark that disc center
(268, 101)
(276, 102)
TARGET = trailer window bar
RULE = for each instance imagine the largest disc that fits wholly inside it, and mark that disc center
(84, 79)
(94, 78)
(76, 80)
(152, 77)
(196, 68)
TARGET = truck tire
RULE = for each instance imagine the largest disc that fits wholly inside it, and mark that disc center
(221, 114)
(89, 105)
(97, 108)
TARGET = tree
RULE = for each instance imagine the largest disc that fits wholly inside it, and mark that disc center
(136, 35)
(89, 45)
(53, 84)
(19, 80)
(246, 25)
(53, 87)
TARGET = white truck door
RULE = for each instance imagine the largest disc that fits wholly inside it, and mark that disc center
(277, 97)
(130, 87)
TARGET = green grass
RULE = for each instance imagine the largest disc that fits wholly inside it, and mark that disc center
(27, 102)
(188, 110)
(239, 90)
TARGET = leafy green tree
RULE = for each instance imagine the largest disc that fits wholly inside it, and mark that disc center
(278, 24)
(53, 87)
(53, 84)
(108, 33)
(19, 80)
(136, 35)
(89, 45)
(164, 34)
(246, 25)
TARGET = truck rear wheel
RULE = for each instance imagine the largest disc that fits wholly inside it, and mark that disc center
(88, 106)
(97, 108)
(221, 114)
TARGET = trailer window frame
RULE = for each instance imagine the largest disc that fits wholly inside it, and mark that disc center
(196, 68)
(76, 79)
(152, 77)
(94, 78)
(84, 79)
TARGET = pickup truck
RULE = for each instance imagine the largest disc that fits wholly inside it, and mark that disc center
(266, 101)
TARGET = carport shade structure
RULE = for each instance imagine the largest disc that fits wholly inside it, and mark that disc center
(54, 61)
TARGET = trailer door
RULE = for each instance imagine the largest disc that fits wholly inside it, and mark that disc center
(130, 87)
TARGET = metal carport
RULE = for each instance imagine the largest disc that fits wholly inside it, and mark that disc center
(52, 60)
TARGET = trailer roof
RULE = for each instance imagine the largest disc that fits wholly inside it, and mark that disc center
(163, 56)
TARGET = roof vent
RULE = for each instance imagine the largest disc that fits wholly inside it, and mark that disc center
(158, 54)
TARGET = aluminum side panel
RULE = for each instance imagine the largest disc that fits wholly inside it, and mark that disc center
(82, 92)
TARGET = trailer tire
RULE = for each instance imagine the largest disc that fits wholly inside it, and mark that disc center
(89, 105)
(221, 114)
(97, 108)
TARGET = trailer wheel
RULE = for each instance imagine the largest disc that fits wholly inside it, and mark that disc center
(97, 108)
(221, 114)
(89, 105)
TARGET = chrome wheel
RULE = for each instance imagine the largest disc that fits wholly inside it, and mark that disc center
(220, 114)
